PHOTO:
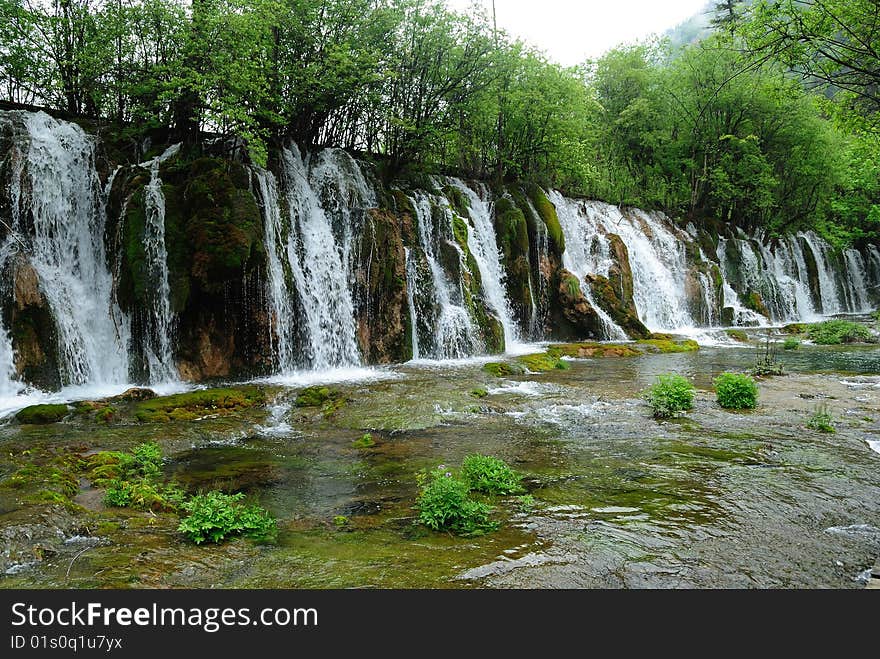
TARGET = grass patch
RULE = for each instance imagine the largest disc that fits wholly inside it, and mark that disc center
(821, 420)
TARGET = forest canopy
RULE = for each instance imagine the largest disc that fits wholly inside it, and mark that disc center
(768, 123)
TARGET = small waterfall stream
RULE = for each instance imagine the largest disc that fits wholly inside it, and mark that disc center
(158, 339)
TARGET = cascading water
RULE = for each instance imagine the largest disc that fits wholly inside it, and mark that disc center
(279, 298)
(319, 260)
(856, 274)
(580, 257)
(412, 292)
(65, 246)
(158, 340)
(453, 335)
(827, 286)
(483, 247)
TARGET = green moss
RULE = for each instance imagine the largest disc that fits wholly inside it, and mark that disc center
(479, 393)
(737, 335)
(795, 328)
(572, 285)
(592, 349)
(366, 441)
(315, 396)
(457, 200)
(667, 345)
(105, 414)
(194, 404)
(402, 203)
(503, 369)
(547, 212)
(42, 414)
(755, 302)
(543, 362)
(510, 224)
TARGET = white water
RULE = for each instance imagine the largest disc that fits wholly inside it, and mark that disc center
(454, 335)
(412, 279)
(585, 253)
(319, 260)
(856, 281)
(484, 248)
(280, 300)
(827, 286)
(66, 249)
(158, 340)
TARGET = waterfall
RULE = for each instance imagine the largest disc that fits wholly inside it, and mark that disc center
(158, 339)
(279, 298)
(9, 385)
(855, 280)
(579, 258)
(319, 259)
(453, 335)
(540, 253)
(827, 286)
(62, 198)
(483, 247)
(412, 279)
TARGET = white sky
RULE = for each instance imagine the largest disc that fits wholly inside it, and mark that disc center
(570, 31)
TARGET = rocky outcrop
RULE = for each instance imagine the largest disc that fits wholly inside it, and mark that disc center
(213, 236)
(572, 315)
(512, 233)
(384, 331)
(615, 293)
(34, 334)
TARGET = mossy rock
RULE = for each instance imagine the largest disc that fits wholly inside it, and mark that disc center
(622, 313)
(547, 212)
(737, 335)
(795, 328)
(669, 346)
(590, 349)
(479, 393)
(457, 200)
(543, 362)
(315, 396)
(755, 302)
(503, 369)
(194, 404)
(42, 414)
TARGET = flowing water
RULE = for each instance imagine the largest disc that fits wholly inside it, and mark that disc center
(158, 339)
(59, 195)
(483, 245)
(318, 254)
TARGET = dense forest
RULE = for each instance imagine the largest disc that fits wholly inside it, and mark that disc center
(769, 122)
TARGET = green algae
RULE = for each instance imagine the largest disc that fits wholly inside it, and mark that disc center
(197, 404)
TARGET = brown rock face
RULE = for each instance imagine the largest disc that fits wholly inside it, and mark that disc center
(208, 354)
(573, 318)
(615, 293)
(381, 299)
(34, 335)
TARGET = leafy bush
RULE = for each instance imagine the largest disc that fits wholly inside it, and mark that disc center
(791, 343)
(490, 475)
(445, 504)
(216, 516)
(145, 494)
(735, 391)
(821, 420)
(133, 480)
(669, 395)
(834, 332)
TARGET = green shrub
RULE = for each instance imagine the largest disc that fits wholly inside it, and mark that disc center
(821, 420)
(490, 475)
(791, 343)
(146, 494)
(445, 504)
(669, 395)
(216, 516)
(366, 441)
(736, 391)
(834, 332)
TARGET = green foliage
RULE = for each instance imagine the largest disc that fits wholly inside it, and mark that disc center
(834, 332)
(821, 420)
(670, 395)
(736, 391)
(479, 393)
(791, 343)
(445, 504)
(134, 480)
(215, 516)
(526, 503)
(366, 441)
(42, 414)
(490, 475)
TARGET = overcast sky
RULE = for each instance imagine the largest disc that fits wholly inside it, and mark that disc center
(570, 31)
